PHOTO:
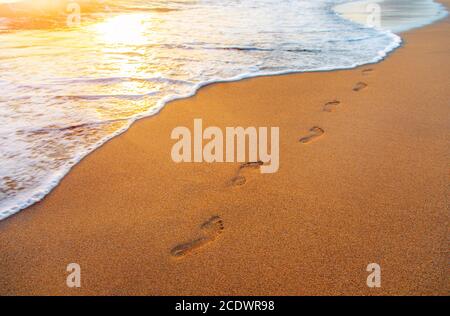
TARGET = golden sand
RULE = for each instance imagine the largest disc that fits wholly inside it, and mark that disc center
(364, 177)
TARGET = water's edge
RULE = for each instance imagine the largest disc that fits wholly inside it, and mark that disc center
(41, 194)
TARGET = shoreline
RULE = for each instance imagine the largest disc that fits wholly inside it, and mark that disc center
(43, 192)
(147, 212)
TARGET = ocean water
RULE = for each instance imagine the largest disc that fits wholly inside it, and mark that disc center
(66, 89)
(395, 15)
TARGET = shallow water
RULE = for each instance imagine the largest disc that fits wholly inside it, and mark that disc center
(66, 90)
(395, 15)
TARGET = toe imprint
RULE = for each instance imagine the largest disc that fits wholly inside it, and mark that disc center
(214, 226)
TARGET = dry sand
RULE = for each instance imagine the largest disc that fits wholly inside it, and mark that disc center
(373, 188)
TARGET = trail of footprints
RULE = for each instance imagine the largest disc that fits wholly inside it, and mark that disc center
(212, 228)
(316, 132)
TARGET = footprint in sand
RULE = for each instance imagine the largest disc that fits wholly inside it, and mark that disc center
(367, 71)
(211, 229)
(316, 132)
(360, 86)
(240, 178)
(331, 106)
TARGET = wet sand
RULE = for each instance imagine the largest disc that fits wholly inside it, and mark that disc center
(370, 186)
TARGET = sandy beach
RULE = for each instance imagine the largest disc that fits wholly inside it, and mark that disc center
(372, 187)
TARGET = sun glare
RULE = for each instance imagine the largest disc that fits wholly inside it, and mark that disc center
(126, 29)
